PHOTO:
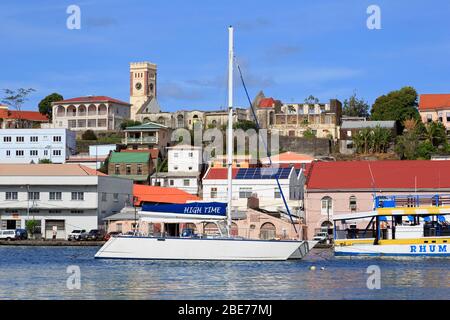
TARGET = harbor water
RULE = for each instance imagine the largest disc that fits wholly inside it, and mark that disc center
(47, 273)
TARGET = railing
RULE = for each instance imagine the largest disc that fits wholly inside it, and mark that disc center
(140, 140)
(409, 201)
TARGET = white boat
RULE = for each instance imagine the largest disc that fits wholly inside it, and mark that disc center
(414, 226)
(224, 247)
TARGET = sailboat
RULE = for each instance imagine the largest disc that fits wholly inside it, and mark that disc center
(222, 247)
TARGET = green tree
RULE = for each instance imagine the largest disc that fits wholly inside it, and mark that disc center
(311, 100)
(309, 134)
(30, 226)
(15, 99)
(88, 135)
(244, 125)
(42, 161)
(435, 134)
(45, 106)
(424, 150)
(355, 107)
(396, 105)
(129, 123)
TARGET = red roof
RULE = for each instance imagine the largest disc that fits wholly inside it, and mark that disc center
(91, 99)
(24, 115)
(395, 174)
(434, 101)
(267, 103)
(219, 173)
(145, 193)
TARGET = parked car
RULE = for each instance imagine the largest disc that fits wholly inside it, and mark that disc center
(76, 234)
(321, 237)
(7, 234)
(111, 234)
(94, 235)
(21, 234)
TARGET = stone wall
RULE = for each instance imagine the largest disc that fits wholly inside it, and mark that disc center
(312, 146)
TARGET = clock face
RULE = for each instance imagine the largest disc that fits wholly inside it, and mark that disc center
(138, 86)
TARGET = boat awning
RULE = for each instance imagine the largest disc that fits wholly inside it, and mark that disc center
(357, 215)
(392, 212)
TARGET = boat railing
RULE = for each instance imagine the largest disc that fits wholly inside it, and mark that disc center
(398, 201)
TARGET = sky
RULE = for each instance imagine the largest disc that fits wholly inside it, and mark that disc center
(288, 49)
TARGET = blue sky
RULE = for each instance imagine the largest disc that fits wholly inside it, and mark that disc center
(289, 49)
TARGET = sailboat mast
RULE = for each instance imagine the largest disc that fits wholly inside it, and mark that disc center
(230, 127)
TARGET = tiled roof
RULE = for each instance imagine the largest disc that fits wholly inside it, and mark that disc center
(389, 174)
(129, 157)
(146, 126)
(219, 173)
(289, 157)
(24, 115)
(91, 99)
(47, 170)
(266, 103)
(434, 102)
(161, 195)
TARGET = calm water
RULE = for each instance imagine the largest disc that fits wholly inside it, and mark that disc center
(40, 273)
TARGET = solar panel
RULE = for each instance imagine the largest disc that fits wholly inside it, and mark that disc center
(263, 173)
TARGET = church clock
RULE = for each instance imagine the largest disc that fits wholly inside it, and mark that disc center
(138, 86)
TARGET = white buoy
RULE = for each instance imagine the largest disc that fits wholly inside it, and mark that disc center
(322, 268)
(312, 268)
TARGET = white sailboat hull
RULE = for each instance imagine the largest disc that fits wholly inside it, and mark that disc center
(200, 249)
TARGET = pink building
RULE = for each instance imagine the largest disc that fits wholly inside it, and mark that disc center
(435, 107)
(334, 188)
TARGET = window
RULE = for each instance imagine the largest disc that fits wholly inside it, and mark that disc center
(326, 205)
(7, 139)
(171, 182)
(8, 153)
(128, 169)
(117, 169)
(175, 154)
(139, 168)
(175, 168)
(429, 118)
(55, 196)
(186, 182)
(54, 211)
(33, 195)
(45, 152)
(20, 139)
(349, 133)
(190, 168)
(245, 192)
(57, 139)
(78, 196)
(11, 195)
(119, 227)
(34, 211)
(191, 154)
(116, 197)
(277, 193)
(34, 139)
(56, 152)
(447, 115)
(76, 211)
(19, 153)
(103, 196)
(213, 193)
(352, 203)
(33, 152)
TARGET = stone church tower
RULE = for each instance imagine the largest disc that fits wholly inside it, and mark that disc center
(142, 86)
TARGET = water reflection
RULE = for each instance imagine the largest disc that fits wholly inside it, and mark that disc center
(40, 273)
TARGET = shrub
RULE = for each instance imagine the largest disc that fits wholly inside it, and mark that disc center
(89, 135)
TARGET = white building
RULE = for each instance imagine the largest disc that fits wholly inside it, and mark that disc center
(64, 196)
(184, 169)
(32, 145)
(95, 158)
(98, 113)
(259, 183)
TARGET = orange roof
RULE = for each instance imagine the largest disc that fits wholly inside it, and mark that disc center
(145, 193)
(24, 115)
(290, 157)
(434, 101)
(267, 103)
(51, 169)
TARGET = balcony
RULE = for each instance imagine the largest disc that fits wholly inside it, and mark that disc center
(143, 140)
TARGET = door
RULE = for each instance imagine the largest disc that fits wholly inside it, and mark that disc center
(55, 225)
